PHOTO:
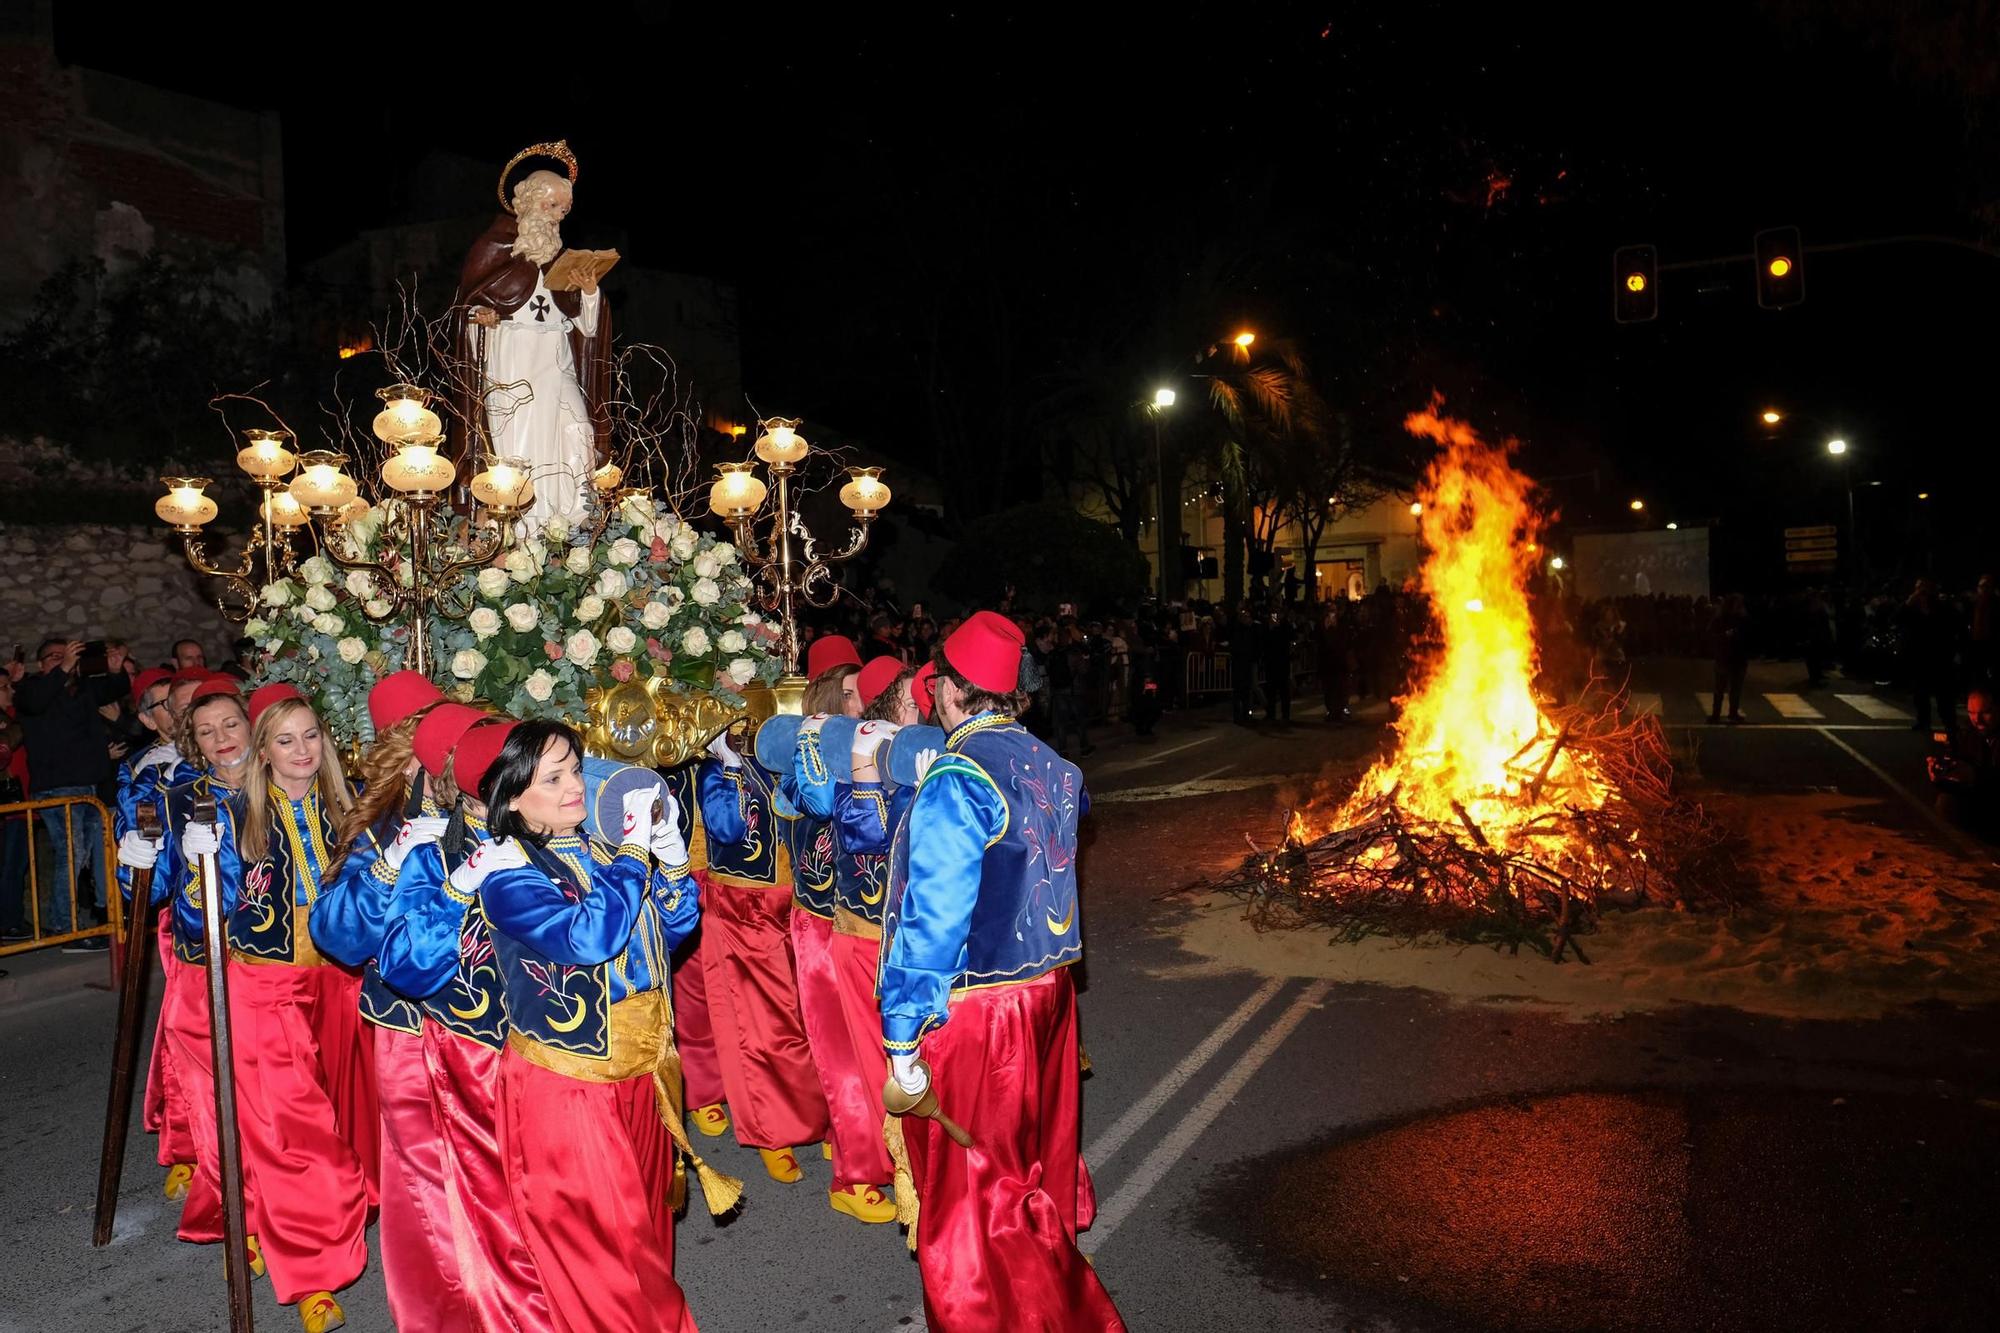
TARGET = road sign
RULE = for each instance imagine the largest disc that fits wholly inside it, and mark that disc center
(1796, 544)
(1818, 530)
(1811, 557)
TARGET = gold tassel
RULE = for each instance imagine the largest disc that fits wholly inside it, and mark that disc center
(677, 1195)
(905, 1183)
(722, 1192)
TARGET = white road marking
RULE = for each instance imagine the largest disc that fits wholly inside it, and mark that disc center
(1957, 837)
(1869, 706)
(1148, 760)
(1792, 705)
(1202, 786)
(1172, 1148)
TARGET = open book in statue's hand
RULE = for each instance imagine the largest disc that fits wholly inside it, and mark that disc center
(575, 268)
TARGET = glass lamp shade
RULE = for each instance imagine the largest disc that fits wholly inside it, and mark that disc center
(405, 417)
(504, 485)
(184, 506)
(737, 492)
(781, 445)
(321, 486)
(419, 470)
(265, 456)
(352, 512)
(283, 511)
(864, 492)
(605, 480)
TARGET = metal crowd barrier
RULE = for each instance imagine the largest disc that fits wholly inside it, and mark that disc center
(1207, 673)
(24, 820)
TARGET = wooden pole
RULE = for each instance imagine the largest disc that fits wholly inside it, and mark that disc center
(235, 1251)
(125, 1048)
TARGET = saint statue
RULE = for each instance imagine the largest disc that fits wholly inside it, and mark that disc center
(537, 325)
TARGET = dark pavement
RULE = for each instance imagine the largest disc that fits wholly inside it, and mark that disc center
(1282, 1153)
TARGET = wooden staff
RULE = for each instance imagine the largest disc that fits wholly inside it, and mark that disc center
(125, 1051)
(235, 1253)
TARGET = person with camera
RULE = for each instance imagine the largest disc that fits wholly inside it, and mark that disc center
(1966, 773)
(69, 744)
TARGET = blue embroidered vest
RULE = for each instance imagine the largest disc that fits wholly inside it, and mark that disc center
(558, 1004)
(473, 1004)
(755, 858)
(380, 1005)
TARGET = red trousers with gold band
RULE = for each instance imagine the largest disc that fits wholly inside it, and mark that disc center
(503, 1287)
(166, 1105)
(854, 1099)
(996, 1231)
(191, 1054)
(774, 1095)
(694, 1030)
(589, 1167)
(854, 959)
(419, 1257)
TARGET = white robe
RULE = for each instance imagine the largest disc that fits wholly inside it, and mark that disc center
(535, 409)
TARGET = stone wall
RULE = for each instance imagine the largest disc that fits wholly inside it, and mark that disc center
(104, 581)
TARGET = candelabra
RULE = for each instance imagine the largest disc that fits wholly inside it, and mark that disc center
(788, 565)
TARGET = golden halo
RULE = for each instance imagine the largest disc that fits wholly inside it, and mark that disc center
(557, 152)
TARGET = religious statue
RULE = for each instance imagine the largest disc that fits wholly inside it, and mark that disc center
(535, 323)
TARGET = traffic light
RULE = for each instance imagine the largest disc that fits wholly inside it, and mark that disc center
(1781, 268)
(1635, 273)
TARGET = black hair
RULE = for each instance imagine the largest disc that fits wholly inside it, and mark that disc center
(514, 770)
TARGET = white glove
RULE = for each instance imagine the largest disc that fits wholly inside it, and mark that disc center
(719, 747)
(137, 850)
(486, 859)
(414, 834)
(869, 738)
(925, 758)
(201, 839)
(638, 825)
(669, 848)
(909, 1077)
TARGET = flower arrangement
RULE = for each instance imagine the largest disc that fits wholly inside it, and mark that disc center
(315, 632)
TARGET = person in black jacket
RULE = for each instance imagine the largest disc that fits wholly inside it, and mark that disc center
(69, 754)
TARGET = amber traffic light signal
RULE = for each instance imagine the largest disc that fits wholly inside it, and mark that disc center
(1781, 270)
(1635, 291)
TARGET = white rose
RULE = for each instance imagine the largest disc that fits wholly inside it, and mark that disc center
(467, 663)
(493, 582)
(351, 650)
(731, 641)
(312, 652)
(674, 598)
(724, 552)
(320, 597)
(520, 565)
(578, 560)
(742, 670)
(485, 621)
(624, 551)
(683, 544)
(255, 628)
(273, 645)
(317, 570)
(377, 607)
(277, 594)
(637, 509)
(752, 618)
(706, 592)
(305, 614)
(582, 648)
(539, 685)
(706, 565)
(668, 528)
(656, 615)
(611, 583)
(555, 531)
(590, 608)
(523, 617)
(695, 641)
(621, 640)
(360, 585)
(328, 625)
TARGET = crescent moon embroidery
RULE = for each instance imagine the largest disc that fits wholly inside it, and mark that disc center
(575, 1020)
(872, 898)
(479, 1011)
(267, 917)
(1062, 927)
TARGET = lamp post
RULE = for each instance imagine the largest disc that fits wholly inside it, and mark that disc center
(787, 563)
(1162, 400)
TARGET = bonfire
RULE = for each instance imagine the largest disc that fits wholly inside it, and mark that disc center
(1498, 814)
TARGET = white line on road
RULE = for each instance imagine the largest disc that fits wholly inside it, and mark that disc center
(1869, 706)
(1793, 705)
(1955, 836)
(1146, 760)
(1172, 1148)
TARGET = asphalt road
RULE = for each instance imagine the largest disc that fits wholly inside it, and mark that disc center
(1278, 1153)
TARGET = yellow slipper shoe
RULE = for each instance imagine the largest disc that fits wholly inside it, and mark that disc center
(256, 1252)
(826, 1151)
(781, 1164)
(863, 1203)
(320, 1313)
(179, 1176)
(711, 1120)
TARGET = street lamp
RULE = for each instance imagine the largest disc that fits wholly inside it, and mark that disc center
(1638, 506)
(1836, 446)
(1772, 416)
(1163, 398)
(1244, 339)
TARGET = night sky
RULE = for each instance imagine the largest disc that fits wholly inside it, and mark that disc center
(1426, 195)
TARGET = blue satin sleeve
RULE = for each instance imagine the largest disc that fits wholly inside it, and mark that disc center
(532, 908)
(721, 797)
(149, 784)
(228, 867)
(956, 815)
(348, 918)
(862, 817)
(812, 786)
(676, 901)
(420, 946)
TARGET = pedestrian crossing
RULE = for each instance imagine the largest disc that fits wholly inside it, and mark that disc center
(1774, 707)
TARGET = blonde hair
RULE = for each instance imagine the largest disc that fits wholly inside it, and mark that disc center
(254, 833)
(184, 738)
(383, 786)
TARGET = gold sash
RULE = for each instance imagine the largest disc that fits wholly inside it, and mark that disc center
(304, 952)
(641, 1039)
(853, 923)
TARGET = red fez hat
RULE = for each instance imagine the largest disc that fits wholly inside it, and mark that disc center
(829, 651)
(876, 676)
(147, 679)
(265, 695)
(397, 696)
(182, 677)
(440, 731)
(477, 752)
(923, 689)
(986, 650)
(214, 685)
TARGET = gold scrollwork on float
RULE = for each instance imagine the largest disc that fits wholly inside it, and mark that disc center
(651, 724)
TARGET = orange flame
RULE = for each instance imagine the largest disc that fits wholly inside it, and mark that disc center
(1472, 741)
